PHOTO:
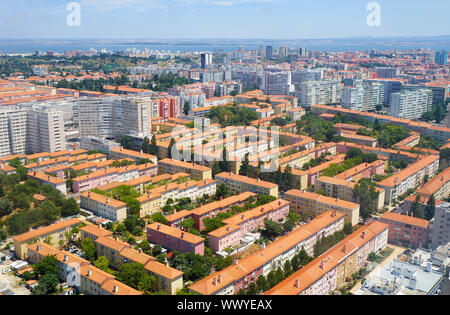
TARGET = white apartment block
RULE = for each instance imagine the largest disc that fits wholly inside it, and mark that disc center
(363, 97)
(45, 131)
(325, 92)
(276, 82)
(114, 117)
(410, 104)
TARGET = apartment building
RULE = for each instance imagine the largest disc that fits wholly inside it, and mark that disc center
(440, 226)
(330, 271)
(103, 177)
(436, 132)
(103, 206)
(406, 231)
(438, 186)
(45, 179)
(239, 184)
(211, 210)
(112, 117)
(363, 96)
(313, 204)
(324, 92)
(410, 104)
(175, 239)
(168, 279)
(121, 153)
(92, 281)
(343, 189)
(364, 170)
(247, 222)
(276, 82)
(53, 233)
(170, 166)
(45, 129)
(411, 177)
(13, 132)
(243, 272)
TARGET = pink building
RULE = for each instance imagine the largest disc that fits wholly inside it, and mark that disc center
(175, 239)
(406, 231)
(237, 226)
(364, 170)
(94, 180)
(148, 169)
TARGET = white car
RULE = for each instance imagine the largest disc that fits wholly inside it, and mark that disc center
(6, 271)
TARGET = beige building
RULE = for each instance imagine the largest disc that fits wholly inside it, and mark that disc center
(342, 189)
(168, 279)
(52, 234)
(103, 206)
(313, 205)
(91, 280)
(198, 172)
(239, 184)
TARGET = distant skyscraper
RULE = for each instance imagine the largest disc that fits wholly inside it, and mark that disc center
(269, 52)
(441, 57)
(206, 60)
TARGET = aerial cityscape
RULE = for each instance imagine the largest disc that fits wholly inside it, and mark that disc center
(200, 163)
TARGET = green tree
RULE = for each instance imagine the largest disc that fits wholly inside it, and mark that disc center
(88, 249)
(48, 265)
(135, 276)
(245, 167)
(102, 263)
(430, 208)
(272, 229)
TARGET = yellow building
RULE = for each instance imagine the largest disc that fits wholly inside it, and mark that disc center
(150, 204)
(313, 205)
(92, 281)
(168, 279)
(239, 184)
(198, 172)
(53, 234)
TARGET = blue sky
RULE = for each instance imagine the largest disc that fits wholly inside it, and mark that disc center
(275, 19)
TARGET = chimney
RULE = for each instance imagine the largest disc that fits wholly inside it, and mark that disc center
(242, 217)
(344, 249)
(89, 273)
(140, 250)
(297, 283)
(263, 245)
(65, 258)
(182, 234)
(236, 262)
(89, 194)
(107, 200)
(215, 281)
(158, 227)
(116, 289)
(363, 235)
(322, 265)
(219, 279)
(48, 178)
(38, 246)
